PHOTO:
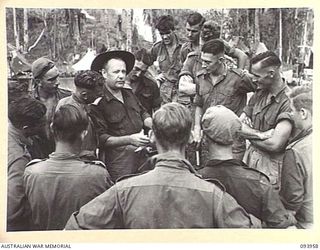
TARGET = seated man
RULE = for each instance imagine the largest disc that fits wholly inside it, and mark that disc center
(26, 118)
(89, 86)
(118, 116)
(60, 185)
(296, 177)
(170, 196)
(251, 188)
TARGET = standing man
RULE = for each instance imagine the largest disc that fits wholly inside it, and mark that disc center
(26, 119)
(143, 85)
(167, 54)
(251, 188)
(296, 177)
(268, 110)
(219, 85)
(118, 116)
(170, 196)
(88, 87)
(46, 81)
(60, 185)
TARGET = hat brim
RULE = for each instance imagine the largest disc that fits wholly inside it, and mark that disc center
(104, 57)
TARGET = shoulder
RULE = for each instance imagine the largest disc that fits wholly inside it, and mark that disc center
(129, 177)
(94, 163)
(34, 164)
(64, 93)
(237, 71)
(156, 45)
(214, 181)
(257, 175)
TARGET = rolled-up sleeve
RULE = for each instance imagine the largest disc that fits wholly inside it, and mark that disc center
(100, 125)
(103, 212)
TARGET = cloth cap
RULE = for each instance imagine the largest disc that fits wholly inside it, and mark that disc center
(41, 66)
(221, 124)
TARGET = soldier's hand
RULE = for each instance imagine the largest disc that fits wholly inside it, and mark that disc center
(246, 120)
(197, 135)
(266, 135)
(161, 78)
(139, 139)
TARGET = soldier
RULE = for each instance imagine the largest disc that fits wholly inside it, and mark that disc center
(170, 196)
(60, 185)
(251, 188)
(46, 81)
(26, 119)
(296, 177)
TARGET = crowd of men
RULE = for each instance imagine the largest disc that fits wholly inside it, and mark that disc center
(185, 149)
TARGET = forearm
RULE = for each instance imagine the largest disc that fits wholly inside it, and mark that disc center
(242, 58)
(250, 133)
(270, 144)
(148, 122)
(197, 118)
(115, 141)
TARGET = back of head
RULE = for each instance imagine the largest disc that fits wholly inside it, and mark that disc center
(214, 47)
(88, 79)
(68, 123)
(165, 23)
(195, 18)
(172, 125)
(26, 111)
(267, 59)
(301, 97)
(221, 125)
(41, 66)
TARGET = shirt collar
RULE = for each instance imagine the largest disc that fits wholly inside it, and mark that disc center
(301, 135)
(16, 133)
(276, 96)
(226, 163)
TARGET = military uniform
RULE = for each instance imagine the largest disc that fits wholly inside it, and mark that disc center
(44, 145)
(170, 66)
(169, 196)
(18, 212)
(252, 190)
(60, 185)
(296, 179)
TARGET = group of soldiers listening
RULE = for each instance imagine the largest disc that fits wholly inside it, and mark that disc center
(122, 150)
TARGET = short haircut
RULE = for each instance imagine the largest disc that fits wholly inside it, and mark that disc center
(144, 56)
(165, 23)
(88, 79)
(267, 58)
(68, 122)
(26, 111)
(172, 125)
(195, 18)
(214, 47)
(301, 97)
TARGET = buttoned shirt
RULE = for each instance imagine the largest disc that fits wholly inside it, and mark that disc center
(114, 118)
(60, 185)
(169, 196)
(252, 190)
(230, 89)
(18, 212)
(169, 65)
(296, 178)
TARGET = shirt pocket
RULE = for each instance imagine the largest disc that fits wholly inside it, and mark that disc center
(116, 120)
(271, 118)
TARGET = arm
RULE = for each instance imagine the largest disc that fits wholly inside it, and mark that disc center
(278, 139)
(197, 124)
(292, 186)
(103, 212)
(186, 85)
(242, 58)
(148, 122)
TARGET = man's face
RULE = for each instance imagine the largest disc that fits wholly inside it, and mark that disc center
(167, 37)
(193, 32)
(50, 81)
(90, 95)
(296, 116)
(114, 72)
(138, 71)
(263, 76)
(211, 62)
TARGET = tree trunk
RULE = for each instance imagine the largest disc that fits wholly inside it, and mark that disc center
(25, 30)
(256, 26)
(16, 33)
(280, 34)
(129, 29)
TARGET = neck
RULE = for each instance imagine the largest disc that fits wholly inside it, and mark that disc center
(220, 152)
(219, 70)
(44, 94)
(114, 91)
(278, 84)
(65, 147)
(180, 152)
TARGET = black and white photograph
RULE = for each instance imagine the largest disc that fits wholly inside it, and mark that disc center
(159, 118)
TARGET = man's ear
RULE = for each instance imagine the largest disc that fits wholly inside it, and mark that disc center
(83, 134)
(304, 113)
(84, 95)
(152, 137)
(271, 73)
(191, 137)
